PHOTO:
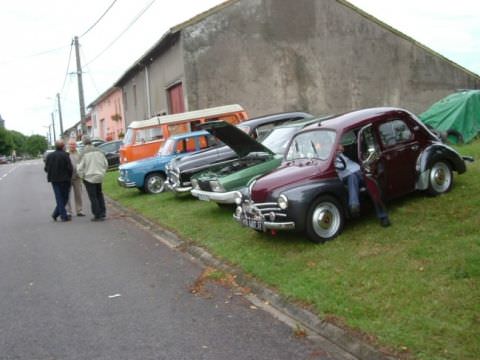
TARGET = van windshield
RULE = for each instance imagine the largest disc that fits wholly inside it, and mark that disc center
(128, 139)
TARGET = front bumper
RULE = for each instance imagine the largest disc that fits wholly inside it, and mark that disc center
(219, 197)
(262, 217)
(122, 182)
(178, 189)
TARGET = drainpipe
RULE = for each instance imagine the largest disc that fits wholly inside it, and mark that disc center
(147, 88)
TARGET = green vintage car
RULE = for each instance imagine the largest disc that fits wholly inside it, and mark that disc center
(221, 182)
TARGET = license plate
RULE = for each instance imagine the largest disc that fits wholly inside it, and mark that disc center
(203, 197)
(254, 224)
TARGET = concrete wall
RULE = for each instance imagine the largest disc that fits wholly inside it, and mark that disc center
(104, 110)
(163, 71)
(319, 56)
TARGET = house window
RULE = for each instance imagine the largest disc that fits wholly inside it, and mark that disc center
(135, 95)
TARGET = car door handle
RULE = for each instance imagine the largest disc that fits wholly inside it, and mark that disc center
(414, 147)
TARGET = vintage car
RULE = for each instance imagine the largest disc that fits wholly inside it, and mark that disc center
(111, 150)
(180, 170)
(394, 149)
(220, 182)
(148, 175)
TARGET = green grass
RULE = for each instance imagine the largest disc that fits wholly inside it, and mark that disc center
(414, 286)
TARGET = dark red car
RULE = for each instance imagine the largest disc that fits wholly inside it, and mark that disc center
(394, 149)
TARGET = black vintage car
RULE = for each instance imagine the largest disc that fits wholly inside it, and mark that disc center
(397, 155)
(180, 170)
(112, 152)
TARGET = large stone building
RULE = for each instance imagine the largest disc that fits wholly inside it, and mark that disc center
(321, 56)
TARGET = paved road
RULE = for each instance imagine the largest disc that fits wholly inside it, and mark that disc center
(83, 290)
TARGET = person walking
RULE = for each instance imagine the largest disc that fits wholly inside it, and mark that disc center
(92, 168)
(76, 180)
(59, 171)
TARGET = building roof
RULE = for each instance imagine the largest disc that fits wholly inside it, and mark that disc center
(103, 96)
(172, 35)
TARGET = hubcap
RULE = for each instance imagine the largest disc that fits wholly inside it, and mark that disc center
(326, 220)
(440, 177)
(155, 184)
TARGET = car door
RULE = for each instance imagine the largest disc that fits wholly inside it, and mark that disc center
(400, 150)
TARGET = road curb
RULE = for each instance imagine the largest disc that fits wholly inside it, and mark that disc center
(301, 316)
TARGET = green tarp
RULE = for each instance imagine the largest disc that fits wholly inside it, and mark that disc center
(459, 112)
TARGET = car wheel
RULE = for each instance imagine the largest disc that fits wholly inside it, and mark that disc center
(440, 178)
(154, 183)
(325, 219)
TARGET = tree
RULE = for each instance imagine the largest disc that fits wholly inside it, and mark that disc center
(6, 142)
(19, 141)
(35, 145)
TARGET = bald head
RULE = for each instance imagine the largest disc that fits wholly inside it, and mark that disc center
(59, 144)
(72, 145)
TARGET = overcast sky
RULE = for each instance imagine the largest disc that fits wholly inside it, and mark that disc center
(29, 82)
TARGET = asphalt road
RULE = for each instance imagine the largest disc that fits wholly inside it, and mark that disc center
(109, 290)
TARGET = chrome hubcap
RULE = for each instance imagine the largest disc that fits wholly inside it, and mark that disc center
(156, 184)
(326, 220)
(440, 177)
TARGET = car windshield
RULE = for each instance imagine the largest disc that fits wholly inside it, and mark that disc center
(128, 137)
(168, 148)
(278, 139)
(317, 144)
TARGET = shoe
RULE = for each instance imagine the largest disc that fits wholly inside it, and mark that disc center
(355, 211)
(80, 214)
(68, 218)
(54, 217)
(384, 222)
(97, 219)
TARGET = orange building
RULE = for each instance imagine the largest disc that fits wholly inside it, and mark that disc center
(108, 122)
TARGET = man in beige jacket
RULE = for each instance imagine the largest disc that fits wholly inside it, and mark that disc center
(92, 168)
(76, 181)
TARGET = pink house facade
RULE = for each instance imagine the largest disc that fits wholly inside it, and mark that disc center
(108, 121)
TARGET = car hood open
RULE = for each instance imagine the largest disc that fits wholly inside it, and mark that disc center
(235, 138)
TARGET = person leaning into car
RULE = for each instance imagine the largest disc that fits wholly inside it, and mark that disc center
(352, 175)
(92, 168)
(59, 171)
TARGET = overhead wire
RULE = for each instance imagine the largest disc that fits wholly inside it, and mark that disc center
(123, 32)
(68, 67)
(33, 55)
(100, 18)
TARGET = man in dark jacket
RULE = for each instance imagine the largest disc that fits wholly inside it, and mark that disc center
(59, 172)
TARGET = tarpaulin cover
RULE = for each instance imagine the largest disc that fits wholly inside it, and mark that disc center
(459, 111)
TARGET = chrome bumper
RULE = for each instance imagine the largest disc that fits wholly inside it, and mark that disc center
(262, 217)
(263, 225)
(125, 184)
(178, 189)
(219, 197)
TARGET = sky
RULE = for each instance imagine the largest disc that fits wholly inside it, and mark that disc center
(36, 37)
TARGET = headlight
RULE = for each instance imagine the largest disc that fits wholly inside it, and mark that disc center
(282, 202)
(195, 184)
(237, 197)
(216, 186)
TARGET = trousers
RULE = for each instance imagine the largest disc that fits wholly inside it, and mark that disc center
(61, 191)
(95, 194)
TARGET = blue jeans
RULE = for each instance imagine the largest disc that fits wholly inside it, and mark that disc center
(61, 191)
(354, 182)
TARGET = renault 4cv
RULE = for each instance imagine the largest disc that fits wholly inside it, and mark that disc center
(305, 194)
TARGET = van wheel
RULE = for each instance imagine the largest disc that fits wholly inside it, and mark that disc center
(440, 178)
(325, 219)
(154, 183)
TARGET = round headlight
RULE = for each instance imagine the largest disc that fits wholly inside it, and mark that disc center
(282, 202)
(237, 197)
(216, 186)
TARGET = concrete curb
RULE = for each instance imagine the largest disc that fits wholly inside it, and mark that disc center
(298, 315)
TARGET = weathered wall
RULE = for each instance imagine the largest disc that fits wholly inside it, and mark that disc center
(163, 71)
(319, 56)
(110, 106)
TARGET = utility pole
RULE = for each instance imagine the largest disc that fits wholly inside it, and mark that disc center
(53, 125)
(60, 115)
(80, 87)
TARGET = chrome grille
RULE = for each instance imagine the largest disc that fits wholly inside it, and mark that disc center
(267, 211)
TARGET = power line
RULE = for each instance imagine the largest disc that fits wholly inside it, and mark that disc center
(123, 32)
(33, 55)
(68, 66)
(90, 74)
(100, 18)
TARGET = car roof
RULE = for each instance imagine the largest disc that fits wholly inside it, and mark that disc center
(274, 117)
(358, 118)
(189, 134)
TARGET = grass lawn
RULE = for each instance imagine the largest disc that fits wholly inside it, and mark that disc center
(413, 287)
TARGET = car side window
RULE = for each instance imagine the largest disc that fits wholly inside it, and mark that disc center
(394, 132)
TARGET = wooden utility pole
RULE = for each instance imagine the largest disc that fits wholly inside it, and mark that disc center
(60, 115)
(80, 87)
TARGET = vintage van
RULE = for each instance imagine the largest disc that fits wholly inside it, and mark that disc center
(144, 138)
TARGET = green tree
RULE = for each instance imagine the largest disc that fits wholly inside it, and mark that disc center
(19, 141)
(35, 145)
(6, 142)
